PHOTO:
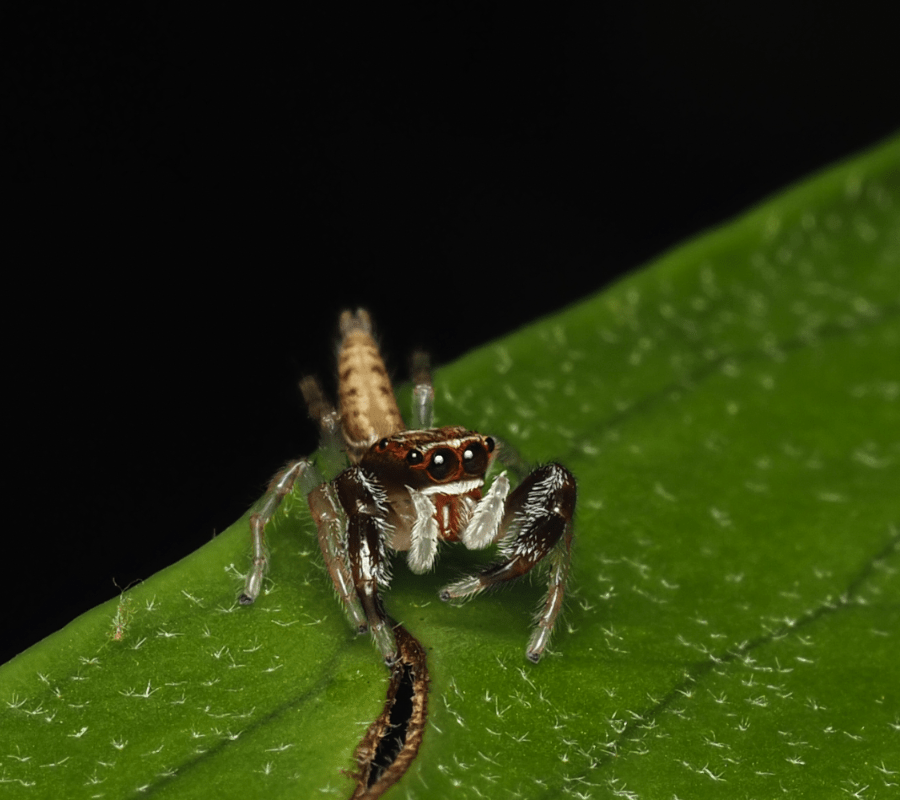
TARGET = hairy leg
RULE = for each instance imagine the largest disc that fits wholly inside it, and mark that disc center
(537, 524)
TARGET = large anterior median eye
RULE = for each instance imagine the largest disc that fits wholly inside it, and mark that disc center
(443, 462)
(475, 458)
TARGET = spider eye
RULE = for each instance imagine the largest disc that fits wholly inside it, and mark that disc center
(490, 444)
(382, 444)
(442, 463)
(413, 457)
(475, 458)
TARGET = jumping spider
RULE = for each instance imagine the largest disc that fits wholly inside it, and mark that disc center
(408, 490)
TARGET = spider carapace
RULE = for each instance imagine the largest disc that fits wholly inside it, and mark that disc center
(410, 489)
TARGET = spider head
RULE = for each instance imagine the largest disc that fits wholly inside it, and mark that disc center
(448, 460)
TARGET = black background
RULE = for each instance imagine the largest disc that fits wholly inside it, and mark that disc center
(198, 194)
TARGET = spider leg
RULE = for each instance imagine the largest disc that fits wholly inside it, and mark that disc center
(560, 558)
(281, 485)
(423, 391)
(536, 524)
(331, 457)
(510, 459)
(366, 506)
(331, 522)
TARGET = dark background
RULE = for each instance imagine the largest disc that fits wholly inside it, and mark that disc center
(197, 195)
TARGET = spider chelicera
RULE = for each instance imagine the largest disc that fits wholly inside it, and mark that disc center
(409, 489)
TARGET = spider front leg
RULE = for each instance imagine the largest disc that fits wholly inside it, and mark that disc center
(331, 523)
(365, 563)
(536, 523)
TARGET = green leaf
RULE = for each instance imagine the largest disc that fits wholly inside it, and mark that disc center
(732, 414)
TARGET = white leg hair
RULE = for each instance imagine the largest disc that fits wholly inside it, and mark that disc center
(424, 535)
(484, 526)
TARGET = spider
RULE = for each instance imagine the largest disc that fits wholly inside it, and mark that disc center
(409, 489)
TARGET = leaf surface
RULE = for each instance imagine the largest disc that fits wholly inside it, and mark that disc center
(732, 414)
